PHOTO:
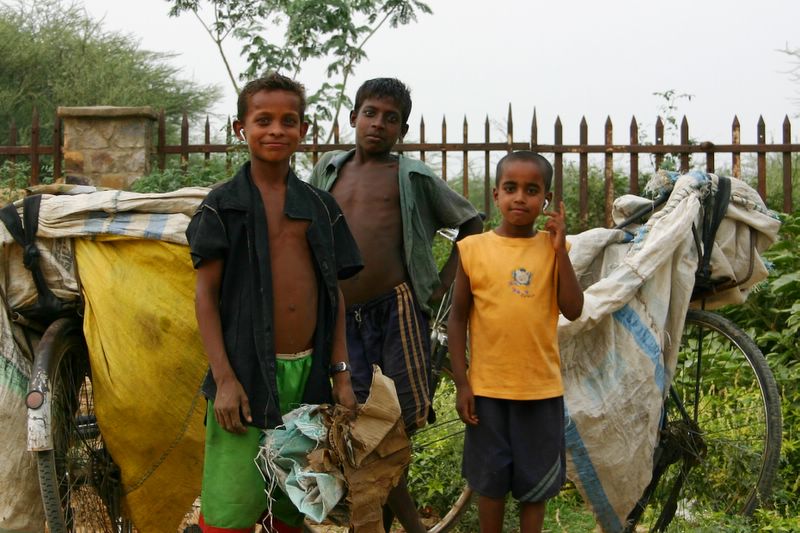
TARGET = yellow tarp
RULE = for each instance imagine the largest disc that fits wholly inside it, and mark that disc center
(147, 367)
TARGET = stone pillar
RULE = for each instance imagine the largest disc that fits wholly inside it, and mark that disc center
(107, 146)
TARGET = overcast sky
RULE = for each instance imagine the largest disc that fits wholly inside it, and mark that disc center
(566, 58)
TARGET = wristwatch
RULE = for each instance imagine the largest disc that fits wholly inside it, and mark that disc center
(341, 366)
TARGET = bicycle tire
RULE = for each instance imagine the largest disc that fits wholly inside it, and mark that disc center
(722, 451)
(437, 450)
(79, 482)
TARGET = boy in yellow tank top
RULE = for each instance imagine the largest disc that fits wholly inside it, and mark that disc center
(511, 284)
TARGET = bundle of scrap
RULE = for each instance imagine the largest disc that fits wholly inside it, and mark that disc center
(337, 468)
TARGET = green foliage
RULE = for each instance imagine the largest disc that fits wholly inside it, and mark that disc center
(284, 35)
(199, 174)
(15, 177)
(771, 316)
(774, 171)
(53, 54)
(13, 180)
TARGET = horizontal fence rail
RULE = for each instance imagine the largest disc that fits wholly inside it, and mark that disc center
(34, 150)
(484, 153)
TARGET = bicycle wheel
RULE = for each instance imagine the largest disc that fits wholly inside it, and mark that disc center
(720, 444)
(79, 481)
(436, 455)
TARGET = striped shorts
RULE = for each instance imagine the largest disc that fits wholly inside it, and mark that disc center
(391, 331)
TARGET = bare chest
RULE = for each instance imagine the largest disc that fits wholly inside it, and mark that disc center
(368, 195)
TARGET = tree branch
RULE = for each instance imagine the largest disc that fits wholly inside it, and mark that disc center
(218, 41)
(349, 67)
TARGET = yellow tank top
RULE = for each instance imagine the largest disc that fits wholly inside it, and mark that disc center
(513, 341)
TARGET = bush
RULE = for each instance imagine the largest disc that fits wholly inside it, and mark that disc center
(771, 316)
(200, 173)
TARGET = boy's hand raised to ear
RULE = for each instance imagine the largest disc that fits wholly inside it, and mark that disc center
(556, 225)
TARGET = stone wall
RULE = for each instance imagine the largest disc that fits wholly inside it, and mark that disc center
(107, 146)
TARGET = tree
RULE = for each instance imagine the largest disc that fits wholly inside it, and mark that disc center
(53, 54)
(283, 35)
(794, 72)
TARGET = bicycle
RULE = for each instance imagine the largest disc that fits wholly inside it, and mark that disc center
(706, 460)
(79, 481)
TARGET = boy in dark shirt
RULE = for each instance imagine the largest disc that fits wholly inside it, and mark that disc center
(268, 250)
(394, 205)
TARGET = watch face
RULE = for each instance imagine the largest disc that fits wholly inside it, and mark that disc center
(341, 366)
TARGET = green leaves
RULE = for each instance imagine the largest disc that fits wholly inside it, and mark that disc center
(784, 283)
(284, 35)
(771, 315)
(52, 53)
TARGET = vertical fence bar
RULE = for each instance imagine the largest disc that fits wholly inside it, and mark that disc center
(207, 137)
(228, 141)
(609, 172)
(336, 132)
(12, 140)
(787, 167)
(465, 179)
(185, 142)
(399, 145)
(444, 152)
(510, 130)
(558, 163)
(736, 157)
(710, 159)
(315, 142)
(534, 133)
(162, 141)
(35, 147)
(422, 137)
(685, 140)
(487, 179)
(583, 171)
(633, 185)
(659, 142)
(762, 159)
(57, 148)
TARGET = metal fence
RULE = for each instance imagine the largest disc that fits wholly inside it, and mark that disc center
(33, 151)
(486, 151)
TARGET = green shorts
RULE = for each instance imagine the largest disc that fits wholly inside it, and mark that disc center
(233, 494)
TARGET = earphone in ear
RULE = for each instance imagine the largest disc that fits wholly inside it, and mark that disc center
(546, 203)
(243, 135)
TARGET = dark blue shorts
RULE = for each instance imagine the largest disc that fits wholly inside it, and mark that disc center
(391, 331)
(517, 446)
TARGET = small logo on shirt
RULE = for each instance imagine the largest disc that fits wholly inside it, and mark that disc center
(520, 281)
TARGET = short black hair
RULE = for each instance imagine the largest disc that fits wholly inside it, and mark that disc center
(272, 81)
(531, 157)
(386, 88)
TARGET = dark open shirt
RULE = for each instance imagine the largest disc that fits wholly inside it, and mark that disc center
(231, 225)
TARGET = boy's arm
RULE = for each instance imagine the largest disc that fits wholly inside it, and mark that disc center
(457, 346)
(448, 272)
(342, 387)
(570, 294)
(230, 397)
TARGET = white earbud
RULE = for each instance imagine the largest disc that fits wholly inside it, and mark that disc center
(546, 203)
(243, 135)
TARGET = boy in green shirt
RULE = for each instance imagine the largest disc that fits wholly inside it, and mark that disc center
(394, 205)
